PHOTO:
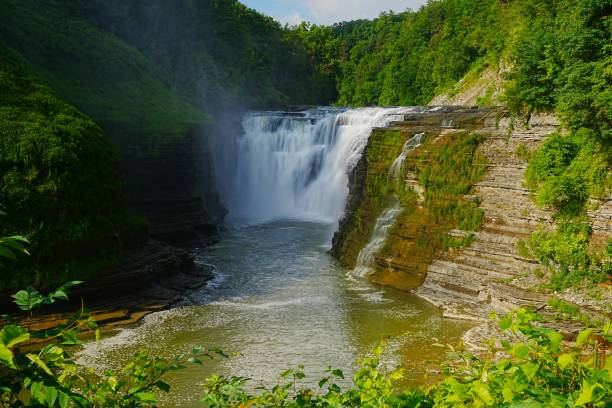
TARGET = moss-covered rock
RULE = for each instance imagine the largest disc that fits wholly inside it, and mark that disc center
(435, 191)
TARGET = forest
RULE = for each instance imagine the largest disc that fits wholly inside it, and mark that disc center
(81, 78)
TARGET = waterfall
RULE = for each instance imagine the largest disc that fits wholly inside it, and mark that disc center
(410, 145)
(295, 164)
(366, 257)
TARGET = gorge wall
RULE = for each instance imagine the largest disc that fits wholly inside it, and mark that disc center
(455, 243)
(171, 182)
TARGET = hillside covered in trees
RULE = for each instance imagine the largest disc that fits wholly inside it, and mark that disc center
(153, 72)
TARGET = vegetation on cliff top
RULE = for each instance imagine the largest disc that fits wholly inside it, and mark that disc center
(155, 69)
(104, 77)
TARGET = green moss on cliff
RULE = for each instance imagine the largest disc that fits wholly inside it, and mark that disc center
(447, 167)
(60, 185)
(382, 149)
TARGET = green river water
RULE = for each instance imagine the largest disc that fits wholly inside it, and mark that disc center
(279, 299)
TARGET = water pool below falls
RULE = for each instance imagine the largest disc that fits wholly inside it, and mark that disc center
(279, 299)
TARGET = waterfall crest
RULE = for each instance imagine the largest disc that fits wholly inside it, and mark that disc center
(295, 164)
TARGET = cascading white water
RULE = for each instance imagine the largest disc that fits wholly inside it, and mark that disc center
(296, 165)
(365, 258)
(410, 145)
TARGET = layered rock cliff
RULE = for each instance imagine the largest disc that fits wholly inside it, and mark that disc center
(466, 268)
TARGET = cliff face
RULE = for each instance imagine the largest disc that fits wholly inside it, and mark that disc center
(456, 241)
(171, 182)
(419, 233)
(467, 282)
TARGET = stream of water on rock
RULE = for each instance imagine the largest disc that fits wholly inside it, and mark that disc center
(278, 298)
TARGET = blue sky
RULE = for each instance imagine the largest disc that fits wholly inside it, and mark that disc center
(328, 11)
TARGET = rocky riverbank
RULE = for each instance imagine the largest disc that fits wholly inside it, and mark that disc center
(153, 277)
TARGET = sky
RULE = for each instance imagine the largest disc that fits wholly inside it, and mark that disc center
(328, 11)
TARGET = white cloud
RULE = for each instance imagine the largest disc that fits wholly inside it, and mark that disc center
(333, 11)
(292, 19)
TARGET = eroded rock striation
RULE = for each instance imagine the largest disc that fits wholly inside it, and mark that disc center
(485, 271)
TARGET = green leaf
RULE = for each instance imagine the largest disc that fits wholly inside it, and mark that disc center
(163, 386)
(555, 340)
(586, 393)
(584, 336)
(193, 360)
(7, 253)
(70, 284)
(338, 373)
(146, 397)
(527, 404)
(520, 350)
(529, 369)
(335, 388)
(6, 357)
(482, 390)
(38, 392)
(19, 238)
(59, 294)
(506, 322)
(21, 295)
(64, 400)
(12, 335)
(323, 381)
(37, 360)
(565, 360)
(51, 396)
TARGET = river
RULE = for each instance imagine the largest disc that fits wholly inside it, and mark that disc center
(278, 298)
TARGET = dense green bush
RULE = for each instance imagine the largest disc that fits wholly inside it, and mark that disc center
(564, 172)
(61, 185)
(567, 253)
(568, 169)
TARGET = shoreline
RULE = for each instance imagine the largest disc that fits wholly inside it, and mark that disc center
(153, 278)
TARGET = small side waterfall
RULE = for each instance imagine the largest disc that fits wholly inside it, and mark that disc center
(410, 145)
(366, 258)
(295, 164)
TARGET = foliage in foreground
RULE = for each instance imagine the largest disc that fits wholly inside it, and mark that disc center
(46, 376)
(538, 371)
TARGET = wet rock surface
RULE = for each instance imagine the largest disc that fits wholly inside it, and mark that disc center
(153, 277)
